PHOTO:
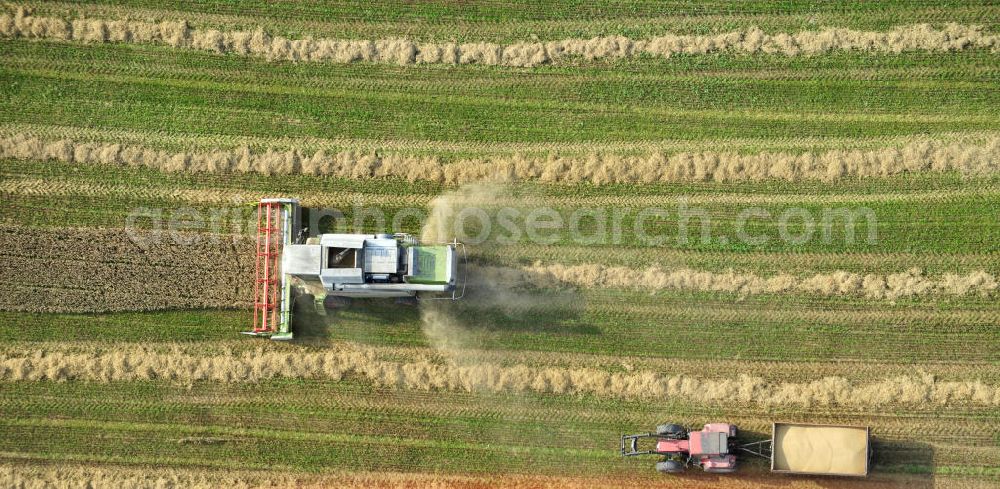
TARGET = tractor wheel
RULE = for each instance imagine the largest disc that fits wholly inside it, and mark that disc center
(730, 470)
(669, 467)
(673, 431)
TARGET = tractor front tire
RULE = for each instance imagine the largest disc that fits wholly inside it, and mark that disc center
(669, 467)
(672, 431)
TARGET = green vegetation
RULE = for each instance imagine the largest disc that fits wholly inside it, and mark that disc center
(196, 93)
(177, 99)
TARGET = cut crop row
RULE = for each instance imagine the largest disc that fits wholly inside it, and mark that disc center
(920, 37)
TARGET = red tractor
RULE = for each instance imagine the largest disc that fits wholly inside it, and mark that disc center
(710, 448)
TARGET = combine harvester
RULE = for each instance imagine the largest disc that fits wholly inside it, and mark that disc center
(794, 448)
(337, 267)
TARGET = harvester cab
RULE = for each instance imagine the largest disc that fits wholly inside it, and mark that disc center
(334, 268)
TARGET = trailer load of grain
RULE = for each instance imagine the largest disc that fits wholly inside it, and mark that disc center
(818, 449)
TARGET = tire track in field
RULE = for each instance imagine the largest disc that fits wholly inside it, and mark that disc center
(889, 449)
(719, 116)
(919, 37)
(59, 362)
(810, 329)
(594, 414)
(588, 425)
(918, 157)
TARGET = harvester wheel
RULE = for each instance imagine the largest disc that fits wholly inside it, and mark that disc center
(729, 470)
(673, 431)
(669, 467)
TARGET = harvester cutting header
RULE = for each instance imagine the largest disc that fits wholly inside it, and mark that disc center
(340, 266)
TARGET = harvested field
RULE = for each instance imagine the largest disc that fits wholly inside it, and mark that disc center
(69, 270)
(744, 212)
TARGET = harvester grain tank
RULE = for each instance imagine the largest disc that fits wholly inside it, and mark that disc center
(340, 266)
(794, 448)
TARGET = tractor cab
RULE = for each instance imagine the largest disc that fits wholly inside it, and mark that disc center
(708, 448)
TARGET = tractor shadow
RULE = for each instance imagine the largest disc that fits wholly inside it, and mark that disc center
(493, 302)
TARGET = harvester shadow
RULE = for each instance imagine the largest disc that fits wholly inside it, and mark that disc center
(312, 327)
(307, 324)
(492, 319)
(494, 309)
(487, 305)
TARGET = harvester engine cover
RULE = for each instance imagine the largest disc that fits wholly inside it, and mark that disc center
(372, 265)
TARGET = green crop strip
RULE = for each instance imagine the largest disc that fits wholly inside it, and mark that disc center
(959, 226)
(879, 85)
(766, 329)
(496, 105)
